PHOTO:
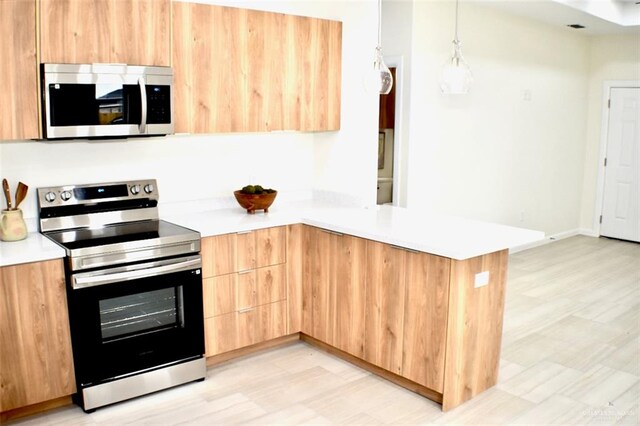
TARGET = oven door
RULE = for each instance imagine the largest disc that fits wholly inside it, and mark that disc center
(135, 318)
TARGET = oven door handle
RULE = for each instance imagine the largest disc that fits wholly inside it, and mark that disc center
(93, 279)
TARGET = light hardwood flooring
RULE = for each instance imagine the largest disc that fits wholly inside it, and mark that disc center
(570, 355)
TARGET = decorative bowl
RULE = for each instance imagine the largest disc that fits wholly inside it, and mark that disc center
(253, 202)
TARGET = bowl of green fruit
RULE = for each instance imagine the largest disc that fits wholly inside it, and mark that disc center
(255, 197)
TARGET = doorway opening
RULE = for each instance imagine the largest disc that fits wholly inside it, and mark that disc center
(387, 145)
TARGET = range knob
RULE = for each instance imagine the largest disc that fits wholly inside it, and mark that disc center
(50, 196)
(65, 195)
(135, 189)
(148, 188)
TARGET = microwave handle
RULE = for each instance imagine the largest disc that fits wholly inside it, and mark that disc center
(143, 101)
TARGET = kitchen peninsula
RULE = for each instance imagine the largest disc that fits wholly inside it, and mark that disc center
(415, 298)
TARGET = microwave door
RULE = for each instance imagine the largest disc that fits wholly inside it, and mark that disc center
(105, 100)
(88, 109)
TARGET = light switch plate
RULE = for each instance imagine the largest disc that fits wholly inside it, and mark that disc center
(481, 279)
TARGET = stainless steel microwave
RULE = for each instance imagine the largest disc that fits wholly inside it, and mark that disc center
(105, 100)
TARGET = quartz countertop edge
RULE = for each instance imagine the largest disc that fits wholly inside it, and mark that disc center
(451, 237)
(35, 248)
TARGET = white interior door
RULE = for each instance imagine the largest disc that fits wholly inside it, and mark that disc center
(621, 201)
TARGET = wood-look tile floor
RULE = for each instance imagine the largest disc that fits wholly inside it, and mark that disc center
(570, 355)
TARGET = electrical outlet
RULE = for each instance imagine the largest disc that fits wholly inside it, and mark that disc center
(481, 279)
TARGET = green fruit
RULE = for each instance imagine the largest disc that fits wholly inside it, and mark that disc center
(249, 189)
(259, 189)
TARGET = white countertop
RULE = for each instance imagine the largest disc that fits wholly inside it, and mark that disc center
(451, 237)
(34, 248)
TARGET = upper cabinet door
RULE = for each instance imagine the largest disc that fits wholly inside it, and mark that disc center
(314, 73)
(239, 70)
(134, 32)
(18, 70)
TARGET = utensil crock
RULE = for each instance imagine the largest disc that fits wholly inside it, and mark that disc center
(12, 225)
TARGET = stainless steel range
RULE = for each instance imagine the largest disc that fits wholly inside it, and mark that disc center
(134, 289)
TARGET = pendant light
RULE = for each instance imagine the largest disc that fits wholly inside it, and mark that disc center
(456, 75)
(383, 79)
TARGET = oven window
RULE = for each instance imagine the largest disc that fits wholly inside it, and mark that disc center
(141, 313)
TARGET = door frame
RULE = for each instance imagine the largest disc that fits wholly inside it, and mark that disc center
(604, 132)
(397, 63)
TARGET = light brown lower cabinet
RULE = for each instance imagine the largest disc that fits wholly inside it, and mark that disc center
(416, 315)
(335, 286)
(425, 319)
(350, 290)
(244, 308)
(246, 327)
(385, 298)
(36, 362)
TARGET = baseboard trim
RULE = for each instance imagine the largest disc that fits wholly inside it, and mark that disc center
(552, 238)
(394, 378)
(589, 233)
(37, 408)
(250, 350)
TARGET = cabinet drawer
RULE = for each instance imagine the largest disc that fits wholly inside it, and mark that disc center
(242, 251)
(218, 255)
(263, 247)
(219, 295)
(246, 327)
(272, 284)
(233, 292)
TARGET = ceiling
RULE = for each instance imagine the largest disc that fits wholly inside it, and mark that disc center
(598, 16)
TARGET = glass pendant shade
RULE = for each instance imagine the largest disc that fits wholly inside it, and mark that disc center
(456, 77)
(384, 79)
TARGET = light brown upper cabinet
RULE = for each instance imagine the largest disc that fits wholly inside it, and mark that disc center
(135, 32)
(18, 70)
(239, 70)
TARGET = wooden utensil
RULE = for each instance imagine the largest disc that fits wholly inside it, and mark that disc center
(7, 193)
(21, 193)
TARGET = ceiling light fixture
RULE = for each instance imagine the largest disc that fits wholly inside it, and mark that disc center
(456, 75)
(383, 79)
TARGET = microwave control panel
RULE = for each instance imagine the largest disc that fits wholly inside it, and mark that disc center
(158, 104)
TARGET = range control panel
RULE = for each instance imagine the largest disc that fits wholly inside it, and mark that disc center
(69, 195)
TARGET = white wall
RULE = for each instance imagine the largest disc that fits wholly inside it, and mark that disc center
(492, 154)
(208, 166)
(615, 57)
(187, 167)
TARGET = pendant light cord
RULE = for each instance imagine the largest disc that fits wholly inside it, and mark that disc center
(456, 36)
(379, 23)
